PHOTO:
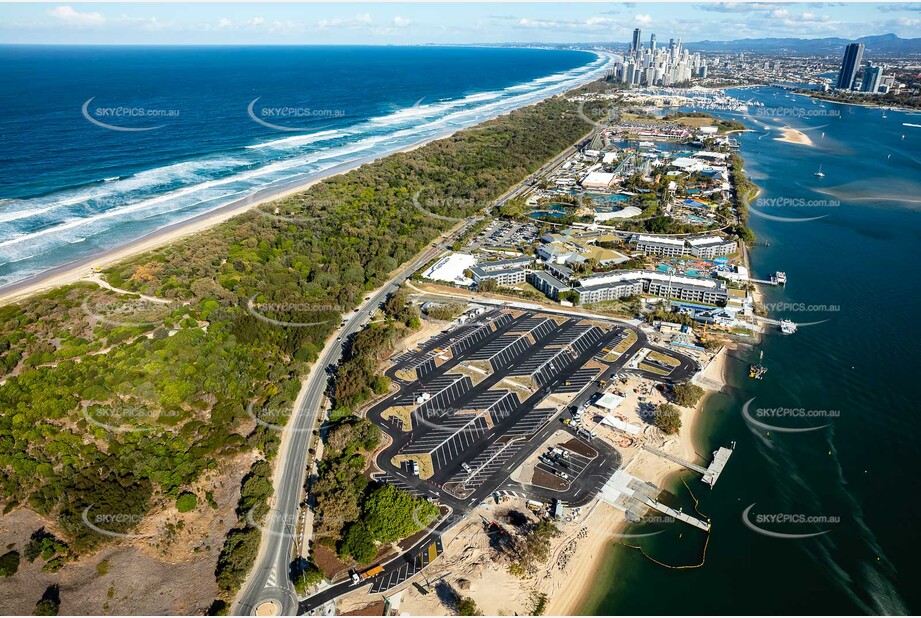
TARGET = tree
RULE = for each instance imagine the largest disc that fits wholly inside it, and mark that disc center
(359, 544)
(9, 563)
(186, 502)
(687, 394)
(308, 575)
(467, 607)
(667, 418)
(487, 285)
(50, 603)
(392, 514)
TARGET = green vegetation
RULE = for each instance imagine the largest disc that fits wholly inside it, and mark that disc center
(445, 311)
(722, 125)
(687, 394)
(667, 418)
(890, 99)
(534, 550)
(467, 607)
(540, 604)
(49, 604)
(186, 373)
(237, 557)
(186, 502)
(242, 542)
(307, 575)
(9, 563)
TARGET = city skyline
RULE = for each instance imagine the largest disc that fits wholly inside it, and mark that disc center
(450, 23)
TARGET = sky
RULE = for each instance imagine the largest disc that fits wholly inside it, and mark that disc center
(387, 23)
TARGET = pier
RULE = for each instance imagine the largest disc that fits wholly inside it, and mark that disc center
(772, 281)
(626, 492)
(710, 474)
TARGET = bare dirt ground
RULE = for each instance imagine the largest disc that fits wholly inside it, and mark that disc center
(167, 573)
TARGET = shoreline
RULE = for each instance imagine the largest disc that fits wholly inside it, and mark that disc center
(84, 268)
(910, 110)
(578, 591)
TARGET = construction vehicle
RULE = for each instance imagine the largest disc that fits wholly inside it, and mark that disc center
(567, 421)
(360, 577)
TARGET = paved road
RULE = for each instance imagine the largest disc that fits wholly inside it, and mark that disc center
(269, 579)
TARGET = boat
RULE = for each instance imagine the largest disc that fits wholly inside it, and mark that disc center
(781, 277)
(787, 327)
(757, 371)
(820, 173)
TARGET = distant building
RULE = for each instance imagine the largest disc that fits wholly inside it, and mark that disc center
(872, 77)
(853, 54)
(635, 46)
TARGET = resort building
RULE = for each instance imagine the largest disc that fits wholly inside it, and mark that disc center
(503, 277)
(660, 245)
(709, 247)
(609, 286)
(547, 283)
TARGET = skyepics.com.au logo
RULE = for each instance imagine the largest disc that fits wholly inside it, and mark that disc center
(787, 525)
(796, 112)
(127, 312)
(429, 205)
(812, 308)
(121, 418)
(294, 314)
(114, 524)
(275, 523)
(778, 418)
(762, 205)
(123, 117)
(301, 210)
(271, 117)
(275, 418)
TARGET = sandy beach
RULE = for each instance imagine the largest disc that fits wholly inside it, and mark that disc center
(578, 555)
(795, 136)
(577, 586)
(84, 269)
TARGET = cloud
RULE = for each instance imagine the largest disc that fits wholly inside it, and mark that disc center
(644, 20)
(68, 15)
(401, 22)
(899, 6)
(362, 19)
(592, 24)
(739, 7)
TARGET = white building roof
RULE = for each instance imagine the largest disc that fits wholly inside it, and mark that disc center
(598, 179)
(616, 423)
(653, 275)
(705, 240)
(609, 401)
(451, 268)
(624, 213)
(662, 240)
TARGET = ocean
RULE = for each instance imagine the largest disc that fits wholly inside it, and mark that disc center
(852, 274)
(103, 145)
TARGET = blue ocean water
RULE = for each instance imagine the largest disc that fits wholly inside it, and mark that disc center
(188, 130)
(849, 243)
